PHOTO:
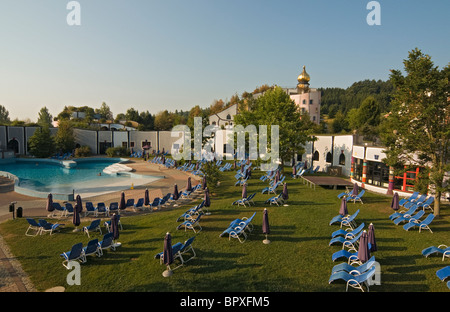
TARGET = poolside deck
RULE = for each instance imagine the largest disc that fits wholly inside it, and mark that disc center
(333, 182)
(33, 206)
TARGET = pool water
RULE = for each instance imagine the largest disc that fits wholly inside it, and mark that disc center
(52, 177)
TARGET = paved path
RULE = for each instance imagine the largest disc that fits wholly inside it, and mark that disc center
(13, 278)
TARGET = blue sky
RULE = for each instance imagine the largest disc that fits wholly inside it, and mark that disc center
(172, 54)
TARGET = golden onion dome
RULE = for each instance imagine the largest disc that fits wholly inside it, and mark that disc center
(304, 77)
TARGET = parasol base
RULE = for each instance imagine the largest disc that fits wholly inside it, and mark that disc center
(266, 241)
(115, 245)
(56, 289)
(167, 273)
(285, 205)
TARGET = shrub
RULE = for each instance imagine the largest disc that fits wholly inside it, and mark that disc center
(83, 151)
(117, 151)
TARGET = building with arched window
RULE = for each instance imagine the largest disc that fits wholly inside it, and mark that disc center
(225, 117)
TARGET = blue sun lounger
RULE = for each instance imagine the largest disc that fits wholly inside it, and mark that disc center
(411, 198)
(355, 281)
(443, 273)
(178, 250)
(357, 197)
(277, 200)
(351, 256)
(442, 249)
(191, 224)
(348, 234)
(75, 253)
(33, 225)
(89, 209)
(106, 243)
(244, 224)
(417, 201)
(90, 249)
(427, 204)
(49, 227)
(402, 213)
(94, 226)
(422, 225)
(352, 269)
(409, 218)
(349, 243)
(247, 200)
(339, 218)
(271, 189)
(190, 213)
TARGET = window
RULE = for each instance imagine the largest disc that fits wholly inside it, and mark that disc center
(407, 179)
(342, 159)
(125, 144)
(228, 116)
(316, 155)
(329, 158)
(377, 174)
(310, 102)
(146, 144)
(131, 144)
(304, 101)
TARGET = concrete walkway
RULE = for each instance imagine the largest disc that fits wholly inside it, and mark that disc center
(14, 279)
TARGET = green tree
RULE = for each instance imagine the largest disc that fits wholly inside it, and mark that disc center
(275, 107)
(41, 144)
(339, 124)
(64, 138)
(417, 130)
(368, 118)
(44, 118)
(105, 112)
(4, 116)
(147, 121)
(212, 174)
(163, 121)
(132, 115)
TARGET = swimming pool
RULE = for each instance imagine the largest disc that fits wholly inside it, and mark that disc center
(38, 177)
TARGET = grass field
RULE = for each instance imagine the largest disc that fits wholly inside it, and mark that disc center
(298, 259)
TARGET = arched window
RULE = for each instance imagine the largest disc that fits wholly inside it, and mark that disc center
(316, 155)
(342, 159)
(329, 158)
(13, 145)
(228, 116)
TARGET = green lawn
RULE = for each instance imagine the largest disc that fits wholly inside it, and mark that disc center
(298, 258)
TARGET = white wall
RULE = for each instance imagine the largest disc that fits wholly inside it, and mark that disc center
(343, 145)
(323, 145)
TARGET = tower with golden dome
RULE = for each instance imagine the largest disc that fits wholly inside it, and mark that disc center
(308, 99)
(303, 81)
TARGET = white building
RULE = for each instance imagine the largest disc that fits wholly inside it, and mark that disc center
(225, 117)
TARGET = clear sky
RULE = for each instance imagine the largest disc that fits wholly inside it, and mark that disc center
(173, 54)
